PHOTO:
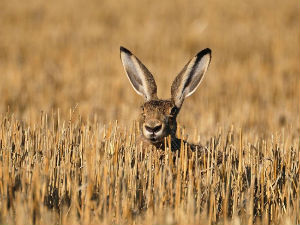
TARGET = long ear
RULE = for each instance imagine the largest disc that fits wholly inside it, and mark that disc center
(139, 76)
(190, 77)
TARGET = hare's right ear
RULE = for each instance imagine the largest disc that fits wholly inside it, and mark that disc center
(139, 76)
(190, 77)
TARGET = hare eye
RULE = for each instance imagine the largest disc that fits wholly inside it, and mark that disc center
(173, 111)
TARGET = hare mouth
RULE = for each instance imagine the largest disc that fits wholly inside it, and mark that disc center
(154, 139)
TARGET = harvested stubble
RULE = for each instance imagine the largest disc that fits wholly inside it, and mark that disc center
(78, 172)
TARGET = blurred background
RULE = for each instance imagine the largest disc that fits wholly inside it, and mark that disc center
(64, 54)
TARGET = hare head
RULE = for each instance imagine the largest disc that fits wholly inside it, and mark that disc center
(158, 117)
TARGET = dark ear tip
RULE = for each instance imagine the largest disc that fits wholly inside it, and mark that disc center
(125, 50)
(204, 52)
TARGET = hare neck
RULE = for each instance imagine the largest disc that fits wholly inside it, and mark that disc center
(175, 143)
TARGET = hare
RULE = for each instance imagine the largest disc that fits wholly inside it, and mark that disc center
(158, 117)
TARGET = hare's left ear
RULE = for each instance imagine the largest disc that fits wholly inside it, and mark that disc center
(190, 77)
(139, 76)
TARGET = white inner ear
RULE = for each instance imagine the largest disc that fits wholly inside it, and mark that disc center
(141, 74)
(135, 75)
(196, 73)
(185, 90)
(186, 83)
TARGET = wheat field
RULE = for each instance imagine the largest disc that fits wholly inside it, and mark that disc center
(68, 130)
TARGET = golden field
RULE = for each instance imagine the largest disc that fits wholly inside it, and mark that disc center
(68, 152)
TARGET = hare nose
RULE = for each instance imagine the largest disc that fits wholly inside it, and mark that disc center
(153, 127)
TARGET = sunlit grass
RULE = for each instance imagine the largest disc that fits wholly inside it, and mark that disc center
(81, 173)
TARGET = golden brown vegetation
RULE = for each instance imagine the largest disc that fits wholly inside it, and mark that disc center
(64, 159)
